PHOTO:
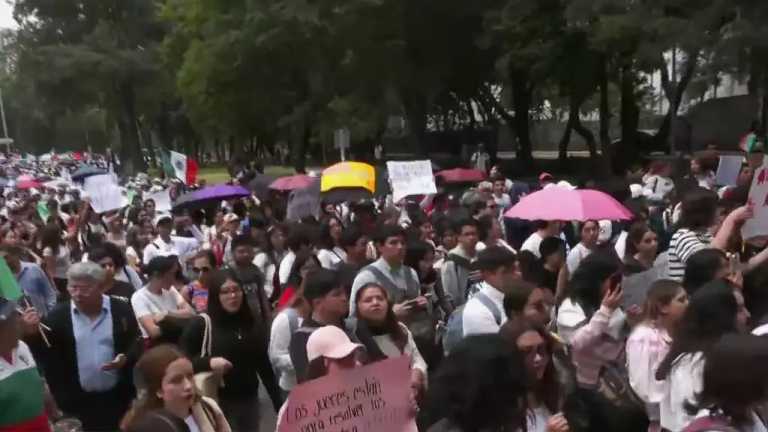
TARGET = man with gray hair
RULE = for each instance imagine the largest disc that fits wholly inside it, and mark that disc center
(88, 351)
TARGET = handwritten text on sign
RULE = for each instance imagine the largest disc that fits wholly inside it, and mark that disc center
(373, 398)
(758, 198)
(411, 178)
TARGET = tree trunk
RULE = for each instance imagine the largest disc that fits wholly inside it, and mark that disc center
(416, 112)
(605, 111)
(587, 134)
(521, 102)
(674, 92)
(562, 155)
(300, 133)
(130, 147)
(630, 114)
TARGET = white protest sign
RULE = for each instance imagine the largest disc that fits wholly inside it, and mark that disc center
(758, 199)
(162, 200)
(728, 170)
(411, 178)
(104, 193)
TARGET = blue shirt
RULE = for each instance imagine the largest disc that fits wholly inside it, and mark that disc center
(95, 346)
(37, 287)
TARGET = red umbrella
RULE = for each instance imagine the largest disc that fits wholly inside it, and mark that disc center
(461, 175)
(299, 181)
(28, 184)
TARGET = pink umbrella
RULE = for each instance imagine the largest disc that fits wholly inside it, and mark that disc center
(461, 175)
(299, 181)
(557, 203)
(28, 184)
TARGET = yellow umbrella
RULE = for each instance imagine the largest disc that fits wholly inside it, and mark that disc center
(349, 175)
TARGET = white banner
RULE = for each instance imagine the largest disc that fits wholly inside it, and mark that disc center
(758, 198)
(104, 193)
(728, 170)
(411, 178)
(162, 200)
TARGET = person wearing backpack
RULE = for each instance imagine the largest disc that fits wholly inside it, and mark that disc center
(328, 304)
(484, 313)
(459, 281)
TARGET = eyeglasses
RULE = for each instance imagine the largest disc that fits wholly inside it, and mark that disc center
(201, 269)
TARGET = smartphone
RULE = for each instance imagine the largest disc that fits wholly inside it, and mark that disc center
(615, 280)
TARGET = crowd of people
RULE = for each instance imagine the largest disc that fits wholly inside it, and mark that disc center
(143, 320)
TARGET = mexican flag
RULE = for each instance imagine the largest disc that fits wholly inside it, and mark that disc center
(182, 167)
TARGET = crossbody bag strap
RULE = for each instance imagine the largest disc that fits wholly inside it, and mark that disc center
(205, 349)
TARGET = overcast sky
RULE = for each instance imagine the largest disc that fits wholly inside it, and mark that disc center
(6, 14)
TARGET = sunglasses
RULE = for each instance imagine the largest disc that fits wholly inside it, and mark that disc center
(201, 269)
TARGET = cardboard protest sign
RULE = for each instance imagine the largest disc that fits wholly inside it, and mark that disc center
(728, 170)
(104, 193)
(162, 200)
(411, 178)
(373, 398)
(758, 198)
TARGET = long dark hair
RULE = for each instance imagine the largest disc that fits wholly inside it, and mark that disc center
(50, 236)
(391, 326)
(243, 317)
(634, 236)
(482, 385)
(661, 293)
(734, 377)
(711, 313)
(268, 248)
(415, 251)
(698, 209)
(587, 281)
(325, 241)
(701, 268)
(294, 277)
(548, 389)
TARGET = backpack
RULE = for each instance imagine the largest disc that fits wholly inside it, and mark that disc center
(454, 329)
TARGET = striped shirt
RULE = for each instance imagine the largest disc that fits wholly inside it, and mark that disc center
(683, 245)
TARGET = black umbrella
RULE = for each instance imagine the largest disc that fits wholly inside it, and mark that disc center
(340, 195)
(86, 171)
(260, 185)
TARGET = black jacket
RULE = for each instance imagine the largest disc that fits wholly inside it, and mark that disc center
(59, 364)
(246, 349)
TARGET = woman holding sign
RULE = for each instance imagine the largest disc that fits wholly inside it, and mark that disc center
(383, 336)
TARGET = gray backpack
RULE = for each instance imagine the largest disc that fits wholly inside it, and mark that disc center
(454, 329)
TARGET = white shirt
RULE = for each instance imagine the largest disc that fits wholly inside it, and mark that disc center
(684, 382)
(191, 424)
(331, 259)
(501, 243)
(284, 272)
(182, 247)
(532, 244)
(477, 318)
(621, 244)
(279, 354)
(389, 349)
(577, 254)
(537, 418)
(146, 303)
(261, 260)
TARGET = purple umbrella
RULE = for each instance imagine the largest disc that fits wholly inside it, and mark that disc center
(200, 198)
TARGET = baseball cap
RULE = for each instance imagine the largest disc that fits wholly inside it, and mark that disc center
(330, 342)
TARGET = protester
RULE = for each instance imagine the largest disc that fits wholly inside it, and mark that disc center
(588, 232)
(734, 386)
(268, 260)
(252, 281)
(331, 253)
(298, 240)
(32, 280)
(379, 331)
(481, 386)
(641, 249)
(649, 342)
(196, 292)
(491, 233)
(166, 244)
(544, 229)
(86, 350)
(484, 313)
(159, 300)
(525, 300)
(459, 281)
(712, 311)
(168, 377)
(703, 267)
(109, 258)
(238, 352)
(328, 305)
(305, 263)
(55, 253)
(22, 390)
(545, 396)
(697, 217)
(290, 318)
(159, 421)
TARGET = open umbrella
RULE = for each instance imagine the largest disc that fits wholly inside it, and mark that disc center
(558, 203)
(86, 171)
(260, 185)
(461, 175)
(348, 181)
(298, 181)
(211, 194)
(28, 184)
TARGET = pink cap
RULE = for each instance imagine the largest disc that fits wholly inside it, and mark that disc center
(331, 342)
